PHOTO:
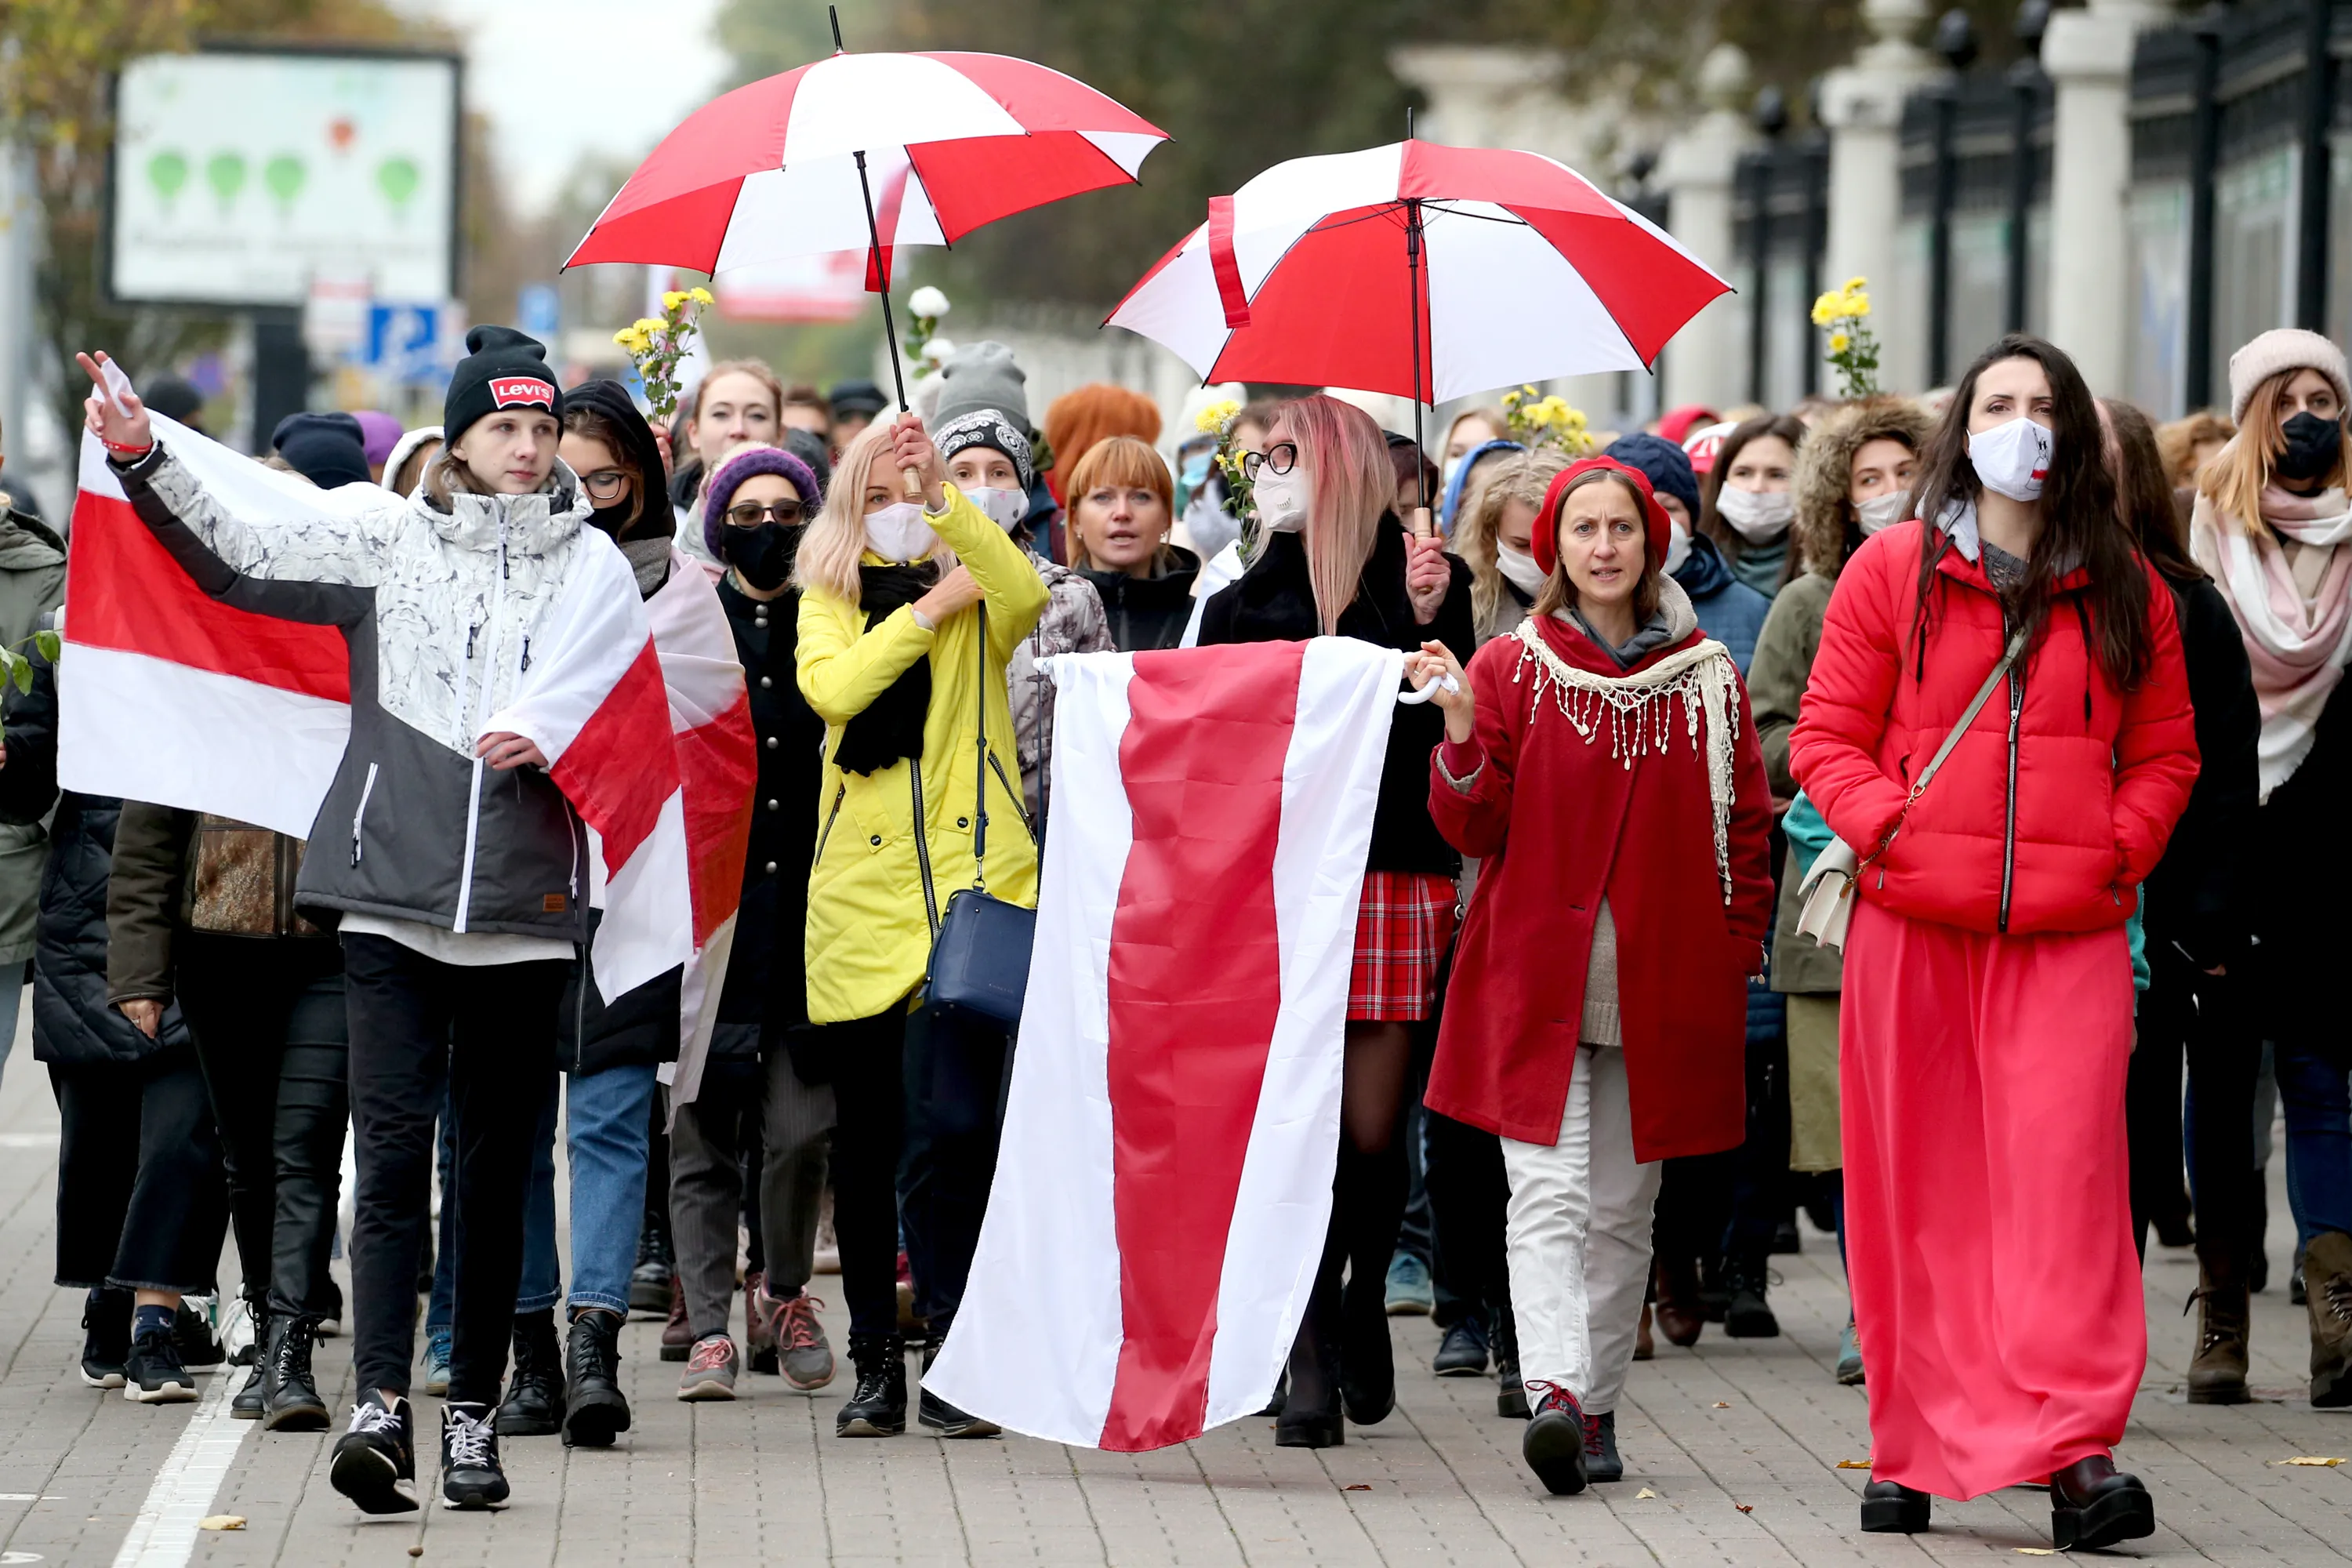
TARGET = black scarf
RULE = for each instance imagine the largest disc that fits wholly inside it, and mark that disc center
(891, 727)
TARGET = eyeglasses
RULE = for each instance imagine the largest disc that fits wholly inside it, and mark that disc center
(605, 484)
(1281, 457)
(750, 515)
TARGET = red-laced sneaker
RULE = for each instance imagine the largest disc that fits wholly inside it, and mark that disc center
(710, 1370)
(1554, 1442)
(802, 1347)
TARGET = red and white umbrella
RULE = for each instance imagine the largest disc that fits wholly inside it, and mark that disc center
(1420, 270)
(945, 141)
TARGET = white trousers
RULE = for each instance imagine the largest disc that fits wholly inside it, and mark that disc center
(1580, 1237)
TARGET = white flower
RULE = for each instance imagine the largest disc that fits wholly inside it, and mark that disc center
(927, 301)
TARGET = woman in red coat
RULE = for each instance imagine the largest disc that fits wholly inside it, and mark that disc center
(1597, 1014)
(1987, 1017)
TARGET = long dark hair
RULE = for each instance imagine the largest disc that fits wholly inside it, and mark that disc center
(2078, 515)
(2145, 494)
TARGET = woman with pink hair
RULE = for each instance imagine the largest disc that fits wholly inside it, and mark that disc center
(1334, 561)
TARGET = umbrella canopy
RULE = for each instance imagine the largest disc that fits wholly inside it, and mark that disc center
(1420, 270)
(951, 141)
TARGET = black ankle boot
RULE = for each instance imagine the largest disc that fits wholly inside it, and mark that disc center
(595, 1408)
(247, 1404)
(1510, 1393)
(1310, 1410)
(1367, 1361)
(290, 1394)
(1745, 1313)
(1890, 1507)
(534, 1403)
(877, 1407)
(2092, 1504)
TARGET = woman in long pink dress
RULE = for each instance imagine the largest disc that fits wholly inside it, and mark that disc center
(1986, 1016)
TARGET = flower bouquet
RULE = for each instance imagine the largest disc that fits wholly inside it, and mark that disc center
(1852, 346)
(656, 345)
(1539, 420)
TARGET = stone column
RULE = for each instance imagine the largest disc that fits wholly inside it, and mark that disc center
(1862, 104)
(1708, 360)
(2088, 54)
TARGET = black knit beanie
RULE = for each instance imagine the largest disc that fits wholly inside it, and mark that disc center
(324, 448)
(502, 369)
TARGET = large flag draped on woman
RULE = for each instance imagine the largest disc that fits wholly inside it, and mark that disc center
(166, 694)
(1165, 1184)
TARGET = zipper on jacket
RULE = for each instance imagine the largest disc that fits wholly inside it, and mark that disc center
(2009, 827)
(1019, 809)
(822, 839)
(923, 844)
(366, 790)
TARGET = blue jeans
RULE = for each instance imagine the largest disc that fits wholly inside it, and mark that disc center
(607, 1117)
(2316, 1085)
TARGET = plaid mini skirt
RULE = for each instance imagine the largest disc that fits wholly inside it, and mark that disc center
(1403, 924)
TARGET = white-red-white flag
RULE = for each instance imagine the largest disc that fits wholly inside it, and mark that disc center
(1165, 1181)
(167, 695)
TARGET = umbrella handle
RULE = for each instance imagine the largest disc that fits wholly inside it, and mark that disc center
(1420, 523)
(912, 483)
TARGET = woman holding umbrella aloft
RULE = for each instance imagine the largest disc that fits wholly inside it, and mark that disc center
(897, 598)
(1335, 560)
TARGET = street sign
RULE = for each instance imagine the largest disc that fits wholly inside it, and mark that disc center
(405, 343)
(538, 311)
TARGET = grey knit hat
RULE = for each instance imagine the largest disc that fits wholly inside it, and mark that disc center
(2280, 349)
(983, 375)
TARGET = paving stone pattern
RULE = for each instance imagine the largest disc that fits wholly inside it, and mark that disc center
(1732, 1453)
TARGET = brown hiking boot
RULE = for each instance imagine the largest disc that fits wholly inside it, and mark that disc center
(677, 1335)
(2327, 1296)
(1679, 1315)
(2216, 1373)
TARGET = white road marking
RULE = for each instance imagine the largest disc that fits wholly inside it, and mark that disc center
(164, 1533)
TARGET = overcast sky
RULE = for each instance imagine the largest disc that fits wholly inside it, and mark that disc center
(563, 78)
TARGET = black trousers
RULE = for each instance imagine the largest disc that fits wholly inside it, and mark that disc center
(141, 1201)
(487, 1034)
(273, 1039)
(1468, 1196)
(2211, 1018)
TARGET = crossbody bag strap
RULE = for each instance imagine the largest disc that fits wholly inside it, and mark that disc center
(1952, 739)
(980, 772)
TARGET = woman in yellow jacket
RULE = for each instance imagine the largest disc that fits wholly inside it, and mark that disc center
(889, 656)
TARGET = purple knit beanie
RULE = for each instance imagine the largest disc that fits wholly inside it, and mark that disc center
(719, 494)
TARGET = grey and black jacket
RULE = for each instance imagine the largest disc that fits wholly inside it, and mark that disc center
(439, 608)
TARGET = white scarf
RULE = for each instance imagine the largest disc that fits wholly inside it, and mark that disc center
(1638, 710)
(2298, 653)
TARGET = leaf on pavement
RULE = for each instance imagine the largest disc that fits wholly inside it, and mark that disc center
(1853, 1464)
(221, 1522)
(2313, 1460)
(1643, 1493)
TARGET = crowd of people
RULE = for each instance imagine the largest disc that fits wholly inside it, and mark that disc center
(2051, 684)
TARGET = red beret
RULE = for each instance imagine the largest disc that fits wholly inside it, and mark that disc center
(1544, 544)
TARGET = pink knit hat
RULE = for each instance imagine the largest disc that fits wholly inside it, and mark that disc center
(2277, 351)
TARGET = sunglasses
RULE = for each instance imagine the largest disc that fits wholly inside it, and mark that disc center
(750, 515)
(1280, 458)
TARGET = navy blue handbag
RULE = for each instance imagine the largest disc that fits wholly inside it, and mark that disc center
(980, 955)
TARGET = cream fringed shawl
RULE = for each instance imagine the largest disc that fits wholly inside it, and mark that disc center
(1637, 710)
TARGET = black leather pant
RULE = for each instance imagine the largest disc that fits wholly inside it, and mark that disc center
(271, 1033)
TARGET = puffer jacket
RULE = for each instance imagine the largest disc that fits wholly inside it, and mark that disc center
(32, 583)
(1072, 623)
(893, 844)
(1147, 612)
(2056, 805)
(437, 608)
(1729, 611)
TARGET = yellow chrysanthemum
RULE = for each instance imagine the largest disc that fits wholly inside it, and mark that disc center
(1858, 305)
(1824, 310)
(674, 298)
(627, 337)
(1856, 284)
(1212, 420)
(700, 295)
(649, 325)
(1840, 342)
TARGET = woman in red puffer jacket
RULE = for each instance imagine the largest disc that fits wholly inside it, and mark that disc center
(1986, 1016)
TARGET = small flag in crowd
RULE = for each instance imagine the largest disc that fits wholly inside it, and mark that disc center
(1159, 1207)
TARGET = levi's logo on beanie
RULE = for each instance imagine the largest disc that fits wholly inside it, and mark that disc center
(516, 391)
(502, 369)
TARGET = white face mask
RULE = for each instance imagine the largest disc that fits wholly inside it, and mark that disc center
(2012, 459)
(1883, 511)
(1520, 567)
(1004, 508)
(1758, 516)
(898, 533)
(1282, 500)
(1678, 545)
(1453, 466)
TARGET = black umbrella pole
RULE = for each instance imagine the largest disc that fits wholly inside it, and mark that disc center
(914, 484)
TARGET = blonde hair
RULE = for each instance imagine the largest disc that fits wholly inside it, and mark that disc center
(1351, 484)
(755, 368)
(1125, 463)
(2237, 475)
(2176, 441)
(449, 475)
(1520, 477)
(836, 543)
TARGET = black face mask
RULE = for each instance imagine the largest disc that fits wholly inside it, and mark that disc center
(2312, 445)
(762, 555)
(615, 519)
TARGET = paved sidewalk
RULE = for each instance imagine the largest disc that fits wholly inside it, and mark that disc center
(1732, 1452)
